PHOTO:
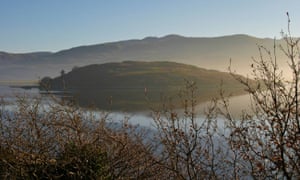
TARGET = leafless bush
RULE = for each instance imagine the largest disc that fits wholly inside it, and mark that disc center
(191, 146)
(56, 140)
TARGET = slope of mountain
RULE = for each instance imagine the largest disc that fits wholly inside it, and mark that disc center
(18, 67)
(21, 58)
(210, 53)
(126, 83)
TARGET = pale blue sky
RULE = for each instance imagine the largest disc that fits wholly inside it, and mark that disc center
(53, 25)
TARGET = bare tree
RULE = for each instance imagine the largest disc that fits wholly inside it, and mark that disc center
(267, 138)
(190, 146)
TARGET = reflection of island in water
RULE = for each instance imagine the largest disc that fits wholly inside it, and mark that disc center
(237, 103)
(121, 100)
(138, 85)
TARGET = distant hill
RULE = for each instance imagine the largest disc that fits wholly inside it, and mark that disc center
(10, 58)
(125, 83)
(210, 53)
(25, 66)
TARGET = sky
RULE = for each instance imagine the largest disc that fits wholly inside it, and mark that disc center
(54, 25)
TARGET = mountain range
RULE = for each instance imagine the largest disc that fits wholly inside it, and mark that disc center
(210, 53)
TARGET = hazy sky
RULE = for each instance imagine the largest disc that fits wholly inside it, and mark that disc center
(52, 25)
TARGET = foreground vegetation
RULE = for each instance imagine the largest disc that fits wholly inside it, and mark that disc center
(59, 140)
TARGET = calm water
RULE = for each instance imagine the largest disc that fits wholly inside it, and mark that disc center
(144, 118)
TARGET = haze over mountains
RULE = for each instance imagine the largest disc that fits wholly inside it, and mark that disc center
(210, 53)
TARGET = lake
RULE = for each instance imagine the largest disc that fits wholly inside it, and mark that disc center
(143, 118)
